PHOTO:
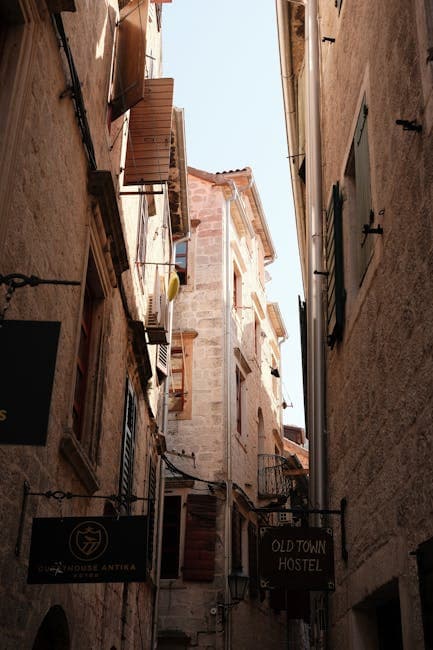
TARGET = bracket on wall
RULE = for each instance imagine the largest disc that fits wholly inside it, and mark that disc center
(318, 511)
(18, 280)
(409, 125)
(59, 496)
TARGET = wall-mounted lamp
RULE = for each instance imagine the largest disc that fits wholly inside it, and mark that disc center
(274, 372)
(238, 583)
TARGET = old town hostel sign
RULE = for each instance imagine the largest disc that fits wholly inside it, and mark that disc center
(296, 558)
(88, 549)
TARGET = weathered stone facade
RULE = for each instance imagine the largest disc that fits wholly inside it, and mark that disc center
(63, 217)
(230, 418)
(378, 389)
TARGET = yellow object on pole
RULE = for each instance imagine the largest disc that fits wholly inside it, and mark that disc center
(173, 286)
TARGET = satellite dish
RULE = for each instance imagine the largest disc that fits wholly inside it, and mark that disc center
(173, 286)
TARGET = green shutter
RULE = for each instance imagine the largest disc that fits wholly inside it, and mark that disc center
(303, 334)
(334, 264)
(363, 190)
(127, 464)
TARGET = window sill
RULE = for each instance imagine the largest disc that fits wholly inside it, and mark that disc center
(74, 453)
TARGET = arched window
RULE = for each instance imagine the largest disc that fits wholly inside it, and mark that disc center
(53, 633)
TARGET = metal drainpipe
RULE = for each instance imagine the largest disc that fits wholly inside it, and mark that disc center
(315, 320)
(229, 382)
(161, 470)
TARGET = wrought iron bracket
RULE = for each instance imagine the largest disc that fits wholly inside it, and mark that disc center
(18, 280)
(59, 496)
(318, 511)
(368, 230)
(409, 125)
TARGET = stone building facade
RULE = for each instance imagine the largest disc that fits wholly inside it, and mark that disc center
(87, 180)
(375, 77)
(225, 434)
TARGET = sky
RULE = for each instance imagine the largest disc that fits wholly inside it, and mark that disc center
(224, 59)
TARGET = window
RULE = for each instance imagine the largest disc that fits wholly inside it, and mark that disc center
(424, 556)
(171, 537)
(237, 288)
(151, 495)
(177, 385)
(240, 380)
(334, 265)
(237, 530)
(358, 190)
(142, 237)
(127, 461)
(180, 392)
(200, 536)
(88, 361)
(257, 338)
(253, 560)
(181, 262)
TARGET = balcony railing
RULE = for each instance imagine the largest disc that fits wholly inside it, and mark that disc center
(272, 476)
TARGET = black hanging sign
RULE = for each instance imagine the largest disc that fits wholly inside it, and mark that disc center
(296, 558)
(28, 351)
(88, 549)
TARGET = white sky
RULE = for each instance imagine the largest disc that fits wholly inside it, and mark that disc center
(223, 56)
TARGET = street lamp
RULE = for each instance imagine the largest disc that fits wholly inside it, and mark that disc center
(237, 585)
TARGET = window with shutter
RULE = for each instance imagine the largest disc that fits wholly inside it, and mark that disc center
(303, 332)
(237, 522)
(253, 560)
(171, 537)
(129, 58)
(127, 461)
(200, 535)
(151, 495)
(87, 397)
(357, 183)
(149, 135)
(334, 265)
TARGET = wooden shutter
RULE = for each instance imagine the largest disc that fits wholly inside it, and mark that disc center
(130, 57)
(253, 560)
(364, 213)
(171, 537)
(149, 138)
(200, 534)
(236, 539)
(151, 494)
(127, 464)
(334, 265)
(303, 332)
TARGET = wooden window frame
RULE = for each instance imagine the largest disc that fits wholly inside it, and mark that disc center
(90, 360)
(181, 262)
(183, 344)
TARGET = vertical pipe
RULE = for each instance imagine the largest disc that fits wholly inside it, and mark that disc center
(315, 256)
(316, 388)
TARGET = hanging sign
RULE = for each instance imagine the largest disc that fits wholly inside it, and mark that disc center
(296, 558)
(28, 352)
(88, 549)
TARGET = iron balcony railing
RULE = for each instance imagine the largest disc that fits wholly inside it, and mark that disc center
(272, 476)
